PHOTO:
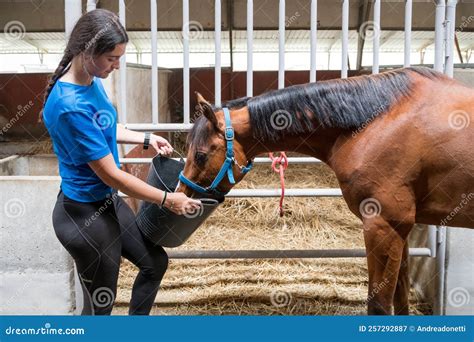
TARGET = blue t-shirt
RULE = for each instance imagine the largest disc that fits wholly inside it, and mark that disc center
(82, 123)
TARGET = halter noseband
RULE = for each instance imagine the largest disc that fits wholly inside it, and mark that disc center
(227, 166)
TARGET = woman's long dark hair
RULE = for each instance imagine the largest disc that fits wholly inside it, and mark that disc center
(95, 33)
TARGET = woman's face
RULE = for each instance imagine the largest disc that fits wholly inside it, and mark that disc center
(102, 65)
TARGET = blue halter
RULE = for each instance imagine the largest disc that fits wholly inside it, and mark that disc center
(226, 168)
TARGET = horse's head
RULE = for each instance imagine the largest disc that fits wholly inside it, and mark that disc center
(216, 158)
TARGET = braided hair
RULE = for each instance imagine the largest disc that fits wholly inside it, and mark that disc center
(94, 34)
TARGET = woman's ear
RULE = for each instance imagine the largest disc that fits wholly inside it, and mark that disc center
(207, 110)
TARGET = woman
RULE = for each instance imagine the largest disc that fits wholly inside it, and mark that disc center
(94, 224)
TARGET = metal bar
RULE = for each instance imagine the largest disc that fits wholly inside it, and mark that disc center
(439, 305)
(345, 37)
(450, 32)
(123, 69)
(364, 11)
(408, 23)
(292, 160)
(249, 48)
(186, 114)
(281, 254)
(323, 192)
(439, 35)
(91, 5)
(376, 41)
(456, 65)
(230, 16)
(263, 193)
(281, 45)
(217, 43)
(154, 62)
(164, 127)
(72, 12)
(314, 34)
(432, 240)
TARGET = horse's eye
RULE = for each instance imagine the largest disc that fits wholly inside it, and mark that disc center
(200, 158)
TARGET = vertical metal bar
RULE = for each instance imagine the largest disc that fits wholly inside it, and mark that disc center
(451, 22)
(217, 69)
(345, 37)
(186, 61)
(91, 5)
(123, 69)
(281, 45)
(408, 21)
(439, 305)
(72, 12)
(154, 62)
(439, 35)
(314, 32)
(432, 240)
(376, 42)
(249, 48)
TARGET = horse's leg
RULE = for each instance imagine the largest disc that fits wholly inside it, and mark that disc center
(400, 300)
(384, 245)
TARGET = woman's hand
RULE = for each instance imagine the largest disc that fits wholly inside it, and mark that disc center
(181, 204)
(161, 145)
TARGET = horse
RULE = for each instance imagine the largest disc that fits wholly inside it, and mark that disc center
(399, 143)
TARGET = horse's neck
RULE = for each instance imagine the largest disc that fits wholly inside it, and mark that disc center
(318, 143)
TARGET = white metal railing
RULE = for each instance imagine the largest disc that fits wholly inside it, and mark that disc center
(217, 73)
(313, 39)
(408, 22)
(186, 88)
(450, 33)
(123, 68)
(298, 160)
(249, 48)
(154, 62)
(376, 41)
(439, 34)
(281, 44)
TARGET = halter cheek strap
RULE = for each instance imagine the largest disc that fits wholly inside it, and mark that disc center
(227, 168)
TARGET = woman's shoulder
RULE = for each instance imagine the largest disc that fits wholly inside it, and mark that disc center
(69, 97)
(62, 99)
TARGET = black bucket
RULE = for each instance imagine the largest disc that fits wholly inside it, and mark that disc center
(161, 226)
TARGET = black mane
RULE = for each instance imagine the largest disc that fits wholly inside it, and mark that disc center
(343, 103)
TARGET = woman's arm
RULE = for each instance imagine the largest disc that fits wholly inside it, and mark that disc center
(126, 136)
(106, 169)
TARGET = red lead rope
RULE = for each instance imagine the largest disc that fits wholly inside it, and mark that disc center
(282, 162)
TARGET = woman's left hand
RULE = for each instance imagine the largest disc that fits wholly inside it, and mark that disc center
(161, 145)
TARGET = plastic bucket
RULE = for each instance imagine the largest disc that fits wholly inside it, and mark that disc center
(161, 226)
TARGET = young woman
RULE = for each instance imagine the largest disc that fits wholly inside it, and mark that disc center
(94, 224)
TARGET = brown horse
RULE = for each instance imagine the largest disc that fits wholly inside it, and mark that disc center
(400, 144)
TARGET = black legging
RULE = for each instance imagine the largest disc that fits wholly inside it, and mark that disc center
(96, 235)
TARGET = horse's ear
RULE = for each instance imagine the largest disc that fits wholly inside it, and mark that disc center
(201, 99)
(207, 110)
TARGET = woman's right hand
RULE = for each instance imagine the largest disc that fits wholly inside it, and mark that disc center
(181, 204)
